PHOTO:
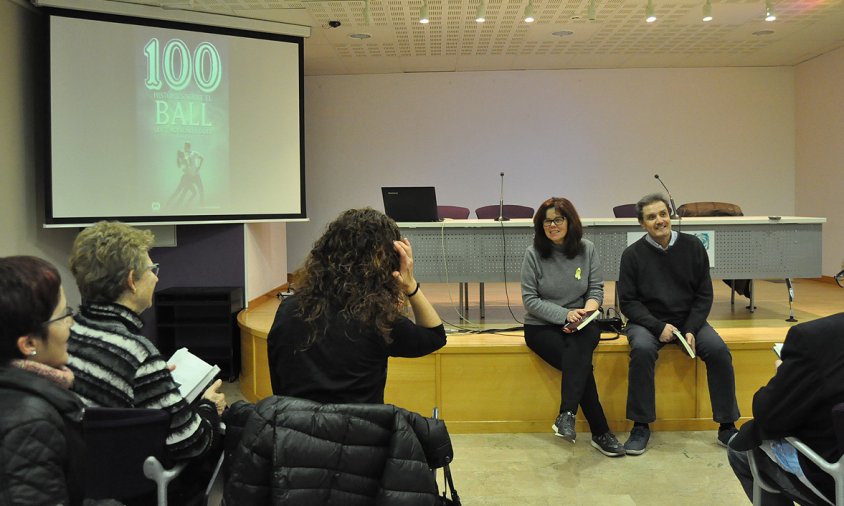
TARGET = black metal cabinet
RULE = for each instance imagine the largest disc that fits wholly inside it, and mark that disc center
(203, 320)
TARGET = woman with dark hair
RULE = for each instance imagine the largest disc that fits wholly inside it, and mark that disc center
(40, 430)
(561, 282)
(330, 341)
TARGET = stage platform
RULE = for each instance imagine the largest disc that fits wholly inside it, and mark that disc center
(487, 380)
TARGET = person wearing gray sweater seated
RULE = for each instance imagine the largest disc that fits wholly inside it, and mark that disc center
(561, 283)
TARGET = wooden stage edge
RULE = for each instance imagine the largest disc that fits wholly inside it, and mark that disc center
(492, 383)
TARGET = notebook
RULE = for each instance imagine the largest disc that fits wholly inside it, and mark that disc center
(410, 203)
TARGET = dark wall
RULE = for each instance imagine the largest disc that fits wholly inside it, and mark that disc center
(205, 255)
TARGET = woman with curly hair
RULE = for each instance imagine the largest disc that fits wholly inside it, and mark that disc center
(561, 282)
(330, 341)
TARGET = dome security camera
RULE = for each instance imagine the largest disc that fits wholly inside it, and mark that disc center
(334, 24)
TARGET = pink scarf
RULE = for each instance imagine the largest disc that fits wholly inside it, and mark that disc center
(62, 377)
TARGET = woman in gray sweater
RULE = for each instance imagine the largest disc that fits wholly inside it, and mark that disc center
(561, 281)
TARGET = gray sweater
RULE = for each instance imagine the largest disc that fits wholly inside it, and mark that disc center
(553, 286)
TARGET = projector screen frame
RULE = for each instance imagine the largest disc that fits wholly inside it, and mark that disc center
(52, 221)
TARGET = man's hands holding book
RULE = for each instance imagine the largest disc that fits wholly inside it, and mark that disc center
(670, 333)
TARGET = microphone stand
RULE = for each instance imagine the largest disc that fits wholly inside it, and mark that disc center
(501, 216)
(670, 198)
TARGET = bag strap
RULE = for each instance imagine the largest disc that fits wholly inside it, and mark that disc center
(455, 499)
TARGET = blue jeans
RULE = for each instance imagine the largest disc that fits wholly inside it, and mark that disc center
(644, 350)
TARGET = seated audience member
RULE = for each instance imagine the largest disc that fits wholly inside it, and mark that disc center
(561, 281)
(330, 341)
(40, 430)
(115, 366)
(797, 402)
(664, 287)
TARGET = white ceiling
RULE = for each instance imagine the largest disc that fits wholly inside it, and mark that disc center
(619, 37)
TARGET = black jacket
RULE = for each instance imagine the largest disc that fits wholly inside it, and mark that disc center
(40, 432)
(292, 451)
(798, 400)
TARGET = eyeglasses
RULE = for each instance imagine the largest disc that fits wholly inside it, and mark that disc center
(556, 221)
(154, 268)
(68, 313)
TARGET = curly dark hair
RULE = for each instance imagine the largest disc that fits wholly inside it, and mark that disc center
(349, 275)
(571, 244)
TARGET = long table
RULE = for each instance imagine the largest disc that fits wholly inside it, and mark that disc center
(743, 247)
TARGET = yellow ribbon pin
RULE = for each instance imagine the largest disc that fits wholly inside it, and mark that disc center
(577, 273)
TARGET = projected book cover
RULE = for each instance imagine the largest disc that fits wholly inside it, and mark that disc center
(182, 104)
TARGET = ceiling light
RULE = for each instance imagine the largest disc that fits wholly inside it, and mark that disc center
(707, 11)
(360, 36)
(423, 14)
(562, 33)
(591, 12)
(770, 14)
(529, 13)
(367, 16)
(480, 14)
(650, 17)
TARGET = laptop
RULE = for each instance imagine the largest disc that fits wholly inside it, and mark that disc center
(410, 203)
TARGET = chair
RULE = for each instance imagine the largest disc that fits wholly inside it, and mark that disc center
(510, 211)
(453, 212)
(125, 446)
(492, 212)
(625, 211)
(834, 469)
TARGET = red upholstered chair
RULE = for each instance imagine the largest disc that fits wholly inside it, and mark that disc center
(624, 211)
(510, 211)
(453, 212)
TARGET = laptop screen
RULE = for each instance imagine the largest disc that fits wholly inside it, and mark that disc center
(410, 203)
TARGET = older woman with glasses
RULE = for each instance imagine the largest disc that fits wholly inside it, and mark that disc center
(561, 283)
(39, 425)
(114, 365)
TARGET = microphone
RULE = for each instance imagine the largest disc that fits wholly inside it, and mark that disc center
(501, 216)
(670, 198)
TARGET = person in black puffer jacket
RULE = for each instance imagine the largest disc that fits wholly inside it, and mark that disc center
(40, 431)
(292, 451)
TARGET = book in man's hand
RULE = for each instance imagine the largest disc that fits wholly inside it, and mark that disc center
(582, 322)
(192, 374)
(684, 344)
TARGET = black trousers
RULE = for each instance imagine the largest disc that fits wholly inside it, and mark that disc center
(572, 355)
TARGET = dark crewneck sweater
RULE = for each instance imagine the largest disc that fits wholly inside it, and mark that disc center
(673, 286)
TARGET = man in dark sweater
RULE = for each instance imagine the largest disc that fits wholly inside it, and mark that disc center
(664, 289)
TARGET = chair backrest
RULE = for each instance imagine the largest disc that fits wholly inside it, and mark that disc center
(624, 211)
(692, 209)
(510, 211)
(118, 440)
(453, 212)
(838, 423)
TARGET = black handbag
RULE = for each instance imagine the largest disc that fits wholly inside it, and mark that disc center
(610, 321)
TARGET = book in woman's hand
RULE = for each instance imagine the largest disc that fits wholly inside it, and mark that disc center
(582, 322)
(192, 374)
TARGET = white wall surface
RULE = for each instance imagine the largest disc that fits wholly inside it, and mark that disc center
(265, 257)
(819, 188)
(22, 150)
(594, 136)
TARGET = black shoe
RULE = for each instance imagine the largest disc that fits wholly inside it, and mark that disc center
(564, 426)
(608, 445)
(725, 435)
(637, 443)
